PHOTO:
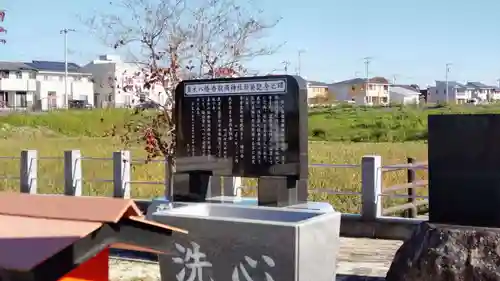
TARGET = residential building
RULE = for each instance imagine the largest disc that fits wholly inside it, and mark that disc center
(121, 84)
(457, 93)
(424, 94)
(481, 92)
(17, 85)
(51, 89)
(404, 94)
(496, 94)
(317, 92)
(362, 91)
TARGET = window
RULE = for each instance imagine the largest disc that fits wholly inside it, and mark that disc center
(386, 87)
(78, 78)
(32, 75)
(384, 99)
(4, 74)
(45, 77)
(19, 75)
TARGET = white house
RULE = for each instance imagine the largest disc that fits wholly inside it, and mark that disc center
(482, 93)
(50, 85)
(17, 85)
(457, 93)
(400, 94)
(362, 91)
(121, 84)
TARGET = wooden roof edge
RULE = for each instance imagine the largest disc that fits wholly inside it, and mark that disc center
(127, 246)
(142, 219)
(130, 210)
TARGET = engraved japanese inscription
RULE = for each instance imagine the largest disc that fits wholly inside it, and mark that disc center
(254, 122)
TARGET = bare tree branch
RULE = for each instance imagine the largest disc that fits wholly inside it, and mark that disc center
(172, 40)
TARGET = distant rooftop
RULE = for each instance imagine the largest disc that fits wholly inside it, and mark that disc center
(404, 91)
(54, 66)
(15, 66)
(377, 80)
(479, 85)
(454, 84)
(317, 84)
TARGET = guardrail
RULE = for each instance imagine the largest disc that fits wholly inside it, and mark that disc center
(413, 202)
(371, 193)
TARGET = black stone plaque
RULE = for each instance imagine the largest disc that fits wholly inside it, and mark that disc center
(259, 123)
(464, 169)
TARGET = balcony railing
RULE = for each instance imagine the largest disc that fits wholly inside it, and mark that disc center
(19, 85)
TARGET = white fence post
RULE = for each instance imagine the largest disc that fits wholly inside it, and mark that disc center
(235, 185)
(72, 173)
(121, 174)
(28, 171)
(371, 187)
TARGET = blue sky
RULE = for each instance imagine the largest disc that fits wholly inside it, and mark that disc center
(410, 39)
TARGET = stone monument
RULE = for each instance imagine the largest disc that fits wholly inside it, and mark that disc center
(247, 127)
(461, 241)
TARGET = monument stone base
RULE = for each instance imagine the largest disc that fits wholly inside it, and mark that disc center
(438, 252)
(228, 242)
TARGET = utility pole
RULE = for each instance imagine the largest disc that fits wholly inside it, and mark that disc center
(299, 57)
(368, 60)
(394, 78)
(65, 33)
(285, 65)
(448, 66)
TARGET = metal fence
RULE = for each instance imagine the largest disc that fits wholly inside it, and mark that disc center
(372, 191)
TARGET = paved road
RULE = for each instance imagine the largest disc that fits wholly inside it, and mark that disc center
(359, 259)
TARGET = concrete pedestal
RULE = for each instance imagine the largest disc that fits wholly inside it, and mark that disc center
(228, 242)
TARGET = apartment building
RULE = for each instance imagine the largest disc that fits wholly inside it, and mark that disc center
(362, 91)
(121, 84)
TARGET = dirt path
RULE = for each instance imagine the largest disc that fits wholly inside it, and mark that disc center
(358, 256)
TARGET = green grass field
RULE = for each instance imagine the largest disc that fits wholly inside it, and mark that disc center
(50, 171)
(339, 135)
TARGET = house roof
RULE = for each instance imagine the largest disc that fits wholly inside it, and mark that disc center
(409, 87)
(479, 85)
(404, 91)
(455, 84)
(317, 84)
(379, 80)
(54, 66)
(15, 66)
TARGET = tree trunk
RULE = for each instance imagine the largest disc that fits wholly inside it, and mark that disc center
(169, 172)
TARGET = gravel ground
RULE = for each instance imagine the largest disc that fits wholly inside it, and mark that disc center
(359, 259)
(127, 270)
